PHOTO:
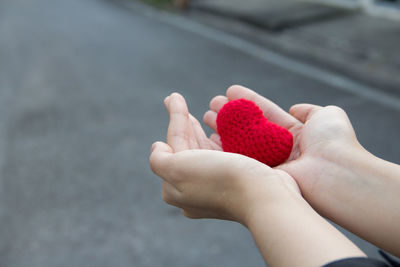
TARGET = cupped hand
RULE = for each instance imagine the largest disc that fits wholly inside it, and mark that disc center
(204, 181)
(322, 136)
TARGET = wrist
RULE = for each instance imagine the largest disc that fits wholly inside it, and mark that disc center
(335, 175)
(271, 194)
(360, 193)
(259, 211)
(355, 174)
(291, 227)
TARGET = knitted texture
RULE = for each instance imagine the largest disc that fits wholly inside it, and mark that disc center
(244, 129)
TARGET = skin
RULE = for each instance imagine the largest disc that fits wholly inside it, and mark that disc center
(207, 183)
(336, 175)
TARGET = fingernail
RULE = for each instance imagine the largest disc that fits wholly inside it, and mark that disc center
(175, 94)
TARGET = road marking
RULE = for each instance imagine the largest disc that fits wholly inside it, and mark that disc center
(335, 80)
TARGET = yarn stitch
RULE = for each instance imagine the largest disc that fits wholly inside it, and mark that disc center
(244, 129)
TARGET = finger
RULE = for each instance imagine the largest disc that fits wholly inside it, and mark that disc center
(201, 138)
(271, 110)
(160, 158)
(191, 137)
(203, 141)
(210, 118)
(193, 140)
(193, 213)
(216, 139)
(198, 213)
(215, 146)
(178, 129)
(166, 101)
(170, 194)
(218, 102)
(303, 112)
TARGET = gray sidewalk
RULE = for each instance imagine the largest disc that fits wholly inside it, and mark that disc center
(83, 84)
(347, 42)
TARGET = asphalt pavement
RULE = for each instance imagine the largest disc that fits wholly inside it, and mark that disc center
(342, 40)
(81, 90)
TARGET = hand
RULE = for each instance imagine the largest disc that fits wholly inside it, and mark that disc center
(336, 175)
(207, 183)
(204, 181)
(321, 135)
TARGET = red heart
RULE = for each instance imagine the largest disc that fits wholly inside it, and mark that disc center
(244, 129)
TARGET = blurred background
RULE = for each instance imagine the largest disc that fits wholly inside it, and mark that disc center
(81, 91)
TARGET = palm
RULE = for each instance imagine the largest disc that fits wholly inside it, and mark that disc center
(313, 130)
(185, 133)
(325, 127)
(209, 169)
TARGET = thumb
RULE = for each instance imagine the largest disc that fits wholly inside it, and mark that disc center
(161, 147)
(303, 112)
(159, 157)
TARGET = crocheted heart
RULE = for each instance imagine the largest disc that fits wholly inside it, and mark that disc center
(244, 129)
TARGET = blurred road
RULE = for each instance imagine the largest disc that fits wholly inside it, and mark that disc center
(81, 90)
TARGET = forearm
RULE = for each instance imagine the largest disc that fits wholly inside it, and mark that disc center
(291, 233)
(364, 197)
